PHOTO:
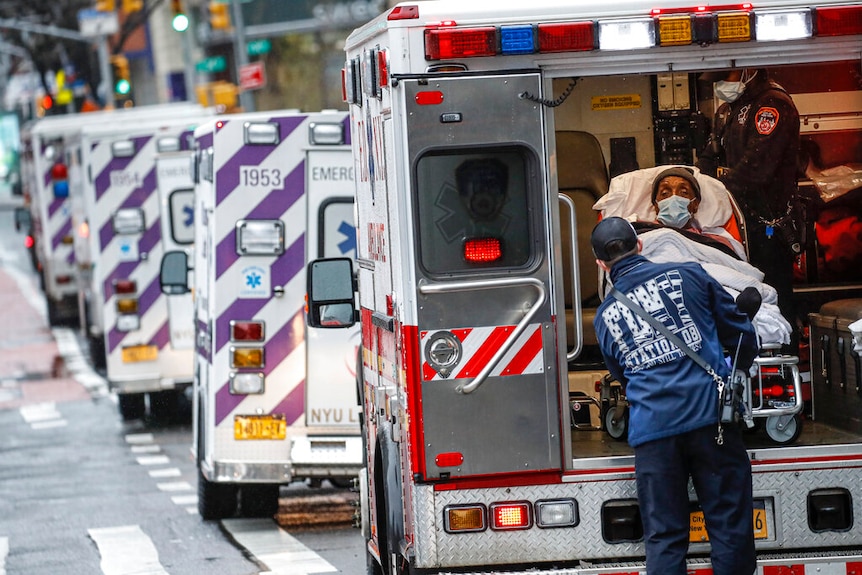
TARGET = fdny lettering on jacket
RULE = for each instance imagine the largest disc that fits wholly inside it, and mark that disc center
(642, 347)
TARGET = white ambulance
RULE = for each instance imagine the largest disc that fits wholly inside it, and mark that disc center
(53, 176)
(126, 313)
(483, 134)
(274, 401)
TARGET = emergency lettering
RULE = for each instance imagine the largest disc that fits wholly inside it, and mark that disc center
(332, 174)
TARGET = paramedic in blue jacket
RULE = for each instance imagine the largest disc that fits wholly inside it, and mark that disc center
(673, 413)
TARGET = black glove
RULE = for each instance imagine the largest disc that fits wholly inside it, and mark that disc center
(748, 301)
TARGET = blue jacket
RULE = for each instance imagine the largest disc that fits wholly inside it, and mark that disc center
(667, 391)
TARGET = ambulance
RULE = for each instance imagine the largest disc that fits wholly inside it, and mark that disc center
(126, 317)
(52, 173)
(483, 134)
(274, 401)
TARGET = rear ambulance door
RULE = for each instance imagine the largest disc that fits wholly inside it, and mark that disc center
(486, 313)
(177, 201)
(331, 388)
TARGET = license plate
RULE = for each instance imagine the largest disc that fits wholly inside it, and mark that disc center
(697, 525)
(259, 427)
(136, 353)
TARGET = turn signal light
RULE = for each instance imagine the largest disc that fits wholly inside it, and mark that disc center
(464, 519)
(246, 357)
(734, 27)
(127, 305)
(674, 31)
(511, 516)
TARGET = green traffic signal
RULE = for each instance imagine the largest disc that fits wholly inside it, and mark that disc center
(122, 87)
(180, 23)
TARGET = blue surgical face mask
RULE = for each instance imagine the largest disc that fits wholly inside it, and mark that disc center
(673, 211)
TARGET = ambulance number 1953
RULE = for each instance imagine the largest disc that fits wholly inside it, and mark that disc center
(257, 178)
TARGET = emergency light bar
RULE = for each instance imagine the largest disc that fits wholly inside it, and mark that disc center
(261, 134)
(702, 25)
(128, 221)
(259, 237)
(324, 134)
(123, 149)
(168, 144)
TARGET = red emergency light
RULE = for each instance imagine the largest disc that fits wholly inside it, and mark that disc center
(482, 250)
(125, 286)
(567, 37)
(839, 21)
(29, 242)
(701, 8)
(447, 42)
(404, 13)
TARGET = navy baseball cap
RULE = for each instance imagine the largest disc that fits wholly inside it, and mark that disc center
(613, 237)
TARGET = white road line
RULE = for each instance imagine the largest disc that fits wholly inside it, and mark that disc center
(49, 424)
(146, 448)
(40, 412)
(275, 548)
(139, 438)
(163, 473)
(174, 486)
(153, 460)
(126, 550)
(185, 499)
(4, 552)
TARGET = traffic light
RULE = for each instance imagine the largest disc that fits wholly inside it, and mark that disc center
(122, 79)
(179, 22)
(219, 15)
(105, 5)
(130, 6)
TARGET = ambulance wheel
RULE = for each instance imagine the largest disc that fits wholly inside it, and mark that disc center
(258, 500)
(97, 352)
(164, 405)
(132, 406)
(618, 429)
(215, 500)
(786, 434)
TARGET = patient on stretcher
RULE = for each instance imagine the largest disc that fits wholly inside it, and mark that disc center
(699, 227)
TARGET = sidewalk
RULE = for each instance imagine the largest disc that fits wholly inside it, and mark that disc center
(31, 367)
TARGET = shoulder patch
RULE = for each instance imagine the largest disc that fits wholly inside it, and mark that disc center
(765, 120)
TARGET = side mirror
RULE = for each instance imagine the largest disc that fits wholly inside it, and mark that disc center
(330, 293)
(174, 275)
(22, 219)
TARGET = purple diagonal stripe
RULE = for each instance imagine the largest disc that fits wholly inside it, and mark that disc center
(346, 127)
(203, 351)
(293, 405)
(70, 257)
(279, 346)
(148, 241)
(46, 178)
(55, 205)
(205, 141)
(61, 233)
(282, 270)
(145, 301)
(228, 174)
(103, 179)
(276, 203)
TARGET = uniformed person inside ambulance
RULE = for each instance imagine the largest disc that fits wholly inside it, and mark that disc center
(754, 151)
(673, 417)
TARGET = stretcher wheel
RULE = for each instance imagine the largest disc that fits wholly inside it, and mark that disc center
(617, 427)
(786, 431)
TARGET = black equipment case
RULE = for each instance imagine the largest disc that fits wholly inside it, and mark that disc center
(835, 368)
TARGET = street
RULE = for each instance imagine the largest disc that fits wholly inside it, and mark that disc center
(83, 492)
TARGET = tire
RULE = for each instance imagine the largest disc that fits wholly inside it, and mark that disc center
(258, 500)
(215, 500)
(164, 405)
(132, 406)
(55, 319)
(618, 430)
(97, 352)
(788, 434)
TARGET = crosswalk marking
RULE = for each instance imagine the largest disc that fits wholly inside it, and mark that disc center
(139, 438)
(126, 550)
(174, 486)
(153, 460)
(42, 415)
(146, 448)
(275, 548)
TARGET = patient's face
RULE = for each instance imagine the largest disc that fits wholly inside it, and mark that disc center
(676, 186)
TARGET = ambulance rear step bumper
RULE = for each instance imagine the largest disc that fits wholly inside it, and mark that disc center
(840, 561)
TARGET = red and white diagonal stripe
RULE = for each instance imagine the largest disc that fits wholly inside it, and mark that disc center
(481, 343)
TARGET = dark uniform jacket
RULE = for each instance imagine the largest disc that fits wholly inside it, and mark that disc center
(668, 393)
(759, 135)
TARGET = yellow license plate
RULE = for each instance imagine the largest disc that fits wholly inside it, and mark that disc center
(697, 524)
(259, 427)
(136, 353)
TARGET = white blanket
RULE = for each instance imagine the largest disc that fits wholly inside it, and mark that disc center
(666, 245)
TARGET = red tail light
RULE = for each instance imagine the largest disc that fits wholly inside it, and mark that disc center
(246, 331)
(510, 516)
(125, 286)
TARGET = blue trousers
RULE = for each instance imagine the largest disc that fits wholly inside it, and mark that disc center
(721, 475)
